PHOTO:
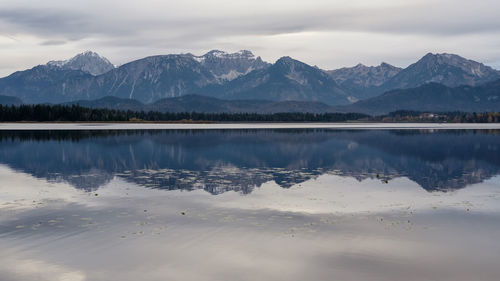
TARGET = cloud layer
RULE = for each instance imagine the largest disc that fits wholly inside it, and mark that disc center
(327, 33)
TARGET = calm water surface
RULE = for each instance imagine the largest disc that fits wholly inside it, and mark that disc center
(317, 204)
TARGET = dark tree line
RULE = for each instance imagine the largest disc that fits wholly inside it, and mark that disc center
(450, 117)
(76, 113)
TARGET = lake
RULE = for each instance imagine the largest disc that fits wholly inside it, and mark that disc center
(283, 203)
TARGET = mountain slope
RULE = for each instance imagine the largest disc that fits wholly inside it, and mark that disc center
(158, 77)
(45, 84)
(57, 81)
(433, 97)
(154, 78)
(8, 100)
(197, 103)
(447, 69)
(286, 80)
(88, 61)
(110, 103)
(361, 80)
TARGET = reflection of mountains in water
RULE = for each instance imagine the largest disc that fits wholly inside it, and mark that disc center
(219, 179)
(240, 160)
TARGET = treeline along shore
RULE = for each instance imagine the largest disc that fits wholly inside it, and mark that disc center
(76, 113)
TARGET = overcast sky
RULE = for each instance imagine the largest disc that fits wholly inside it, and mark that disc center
(326, 33)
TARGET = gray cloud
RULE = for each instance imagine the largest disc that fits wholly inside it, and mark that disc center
(41, 22)
(73, 25)
(416, 18)
(199, 25)
(53, 42)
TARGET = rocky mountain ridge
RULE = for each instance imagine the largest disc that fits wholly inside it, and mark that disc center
(447, 69)
(88, 61)
(286, 80)
(361, 79)
(233, 76)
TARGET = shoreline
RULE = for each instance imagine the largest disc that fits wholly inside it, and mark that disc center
(235, 126)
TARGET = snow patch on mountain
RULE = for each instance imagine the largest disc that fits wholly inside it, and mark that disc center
(87, 61)
(229, 66)
(297, 77)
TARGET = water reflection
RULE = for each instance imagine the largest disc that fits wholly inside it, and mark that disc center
(330, 205)
(330, 228)
(241, 160)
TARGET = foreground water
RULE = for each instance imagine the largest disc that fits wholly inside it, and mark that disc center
(296, 204)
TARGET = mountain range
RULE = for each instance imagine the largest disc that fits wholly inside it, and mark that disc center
(363, 79)
(285, 80)
(447, 69)
(218, 82)
(432, 97)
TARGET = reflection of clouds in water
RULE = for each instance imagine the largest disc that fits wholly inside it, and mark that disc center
(129, 232)
(326, 194)
(36, 270)
(351, 248)
(335, 194)
(20, 190)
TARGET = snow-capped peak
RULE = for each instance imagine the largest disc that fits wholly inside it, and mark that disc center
(242, 54)
(217, 54)
(228, 66)
(89, 53)
(87, 61)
